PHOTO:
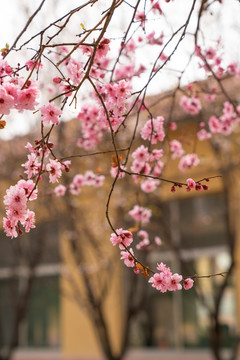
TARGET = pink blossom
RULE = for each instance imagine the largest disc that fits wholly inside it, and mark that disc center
(77, 184)
(172, 126)
(28, 186)
(188, 161)
(210, 53)
(114, 171)
(15, 198)
(191, 183)
(163, 268)
(102, 49)
(141, 154)
(9, 229)
(32, 165)
(6, 101)
(228, 108)
(66, 89)
(27, 97)
(140, 167)
(209, 97)
(156, 154)
(31, 63)
(130, 46)
(12, 90)
(176, 149)
(79, 180)
(122, 237)
(156, 8)
(54, 170)
(203, 135)
(65, 165)
(128, 258)
(157, 241)
(74, 189)
(140, 16)
(142, 234)
(50, 114)
(99, 180)
(123, 71)
(158, 168)
(159, 281)
(149, 185)
(57, 80)
(143, 243)
(173, 283)
(5, 68)
(140, 214)
(191, 105)
(16, 213)
(30, 147)
(232, 68)
(75, 71)
(60, 190)
(51, 89)
(214, 124)
(153, 130)
(188, 283)
(89, 178)
(155, 40)
(29, 221)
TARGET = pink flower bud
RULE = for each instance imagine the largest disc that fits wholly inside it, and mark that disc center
(57, 80)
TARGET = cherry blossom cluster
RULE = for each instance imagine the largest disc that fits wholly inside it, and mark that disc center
(225, 123)
(164, 280)
(80, 180)
(36, 166)
(144, 241)
(176, 149)
(94, 120)
(140, 214)
(128, 68)
(147, 163)
(212, 61)
(18, 215)
(142, 217)
(153, 130)
(192, 105)
(16, 92)
(92, 126)
(115, 96)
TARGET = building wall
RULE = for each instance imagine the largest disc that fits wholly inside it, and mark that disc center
(79, 332)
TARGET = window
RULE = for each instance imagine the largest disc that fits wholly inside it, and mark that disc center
(40, 327)
(40, 249)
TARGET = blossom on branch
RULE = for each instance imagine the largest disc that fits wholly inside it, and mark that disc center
(50, 114)
(122, 237)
